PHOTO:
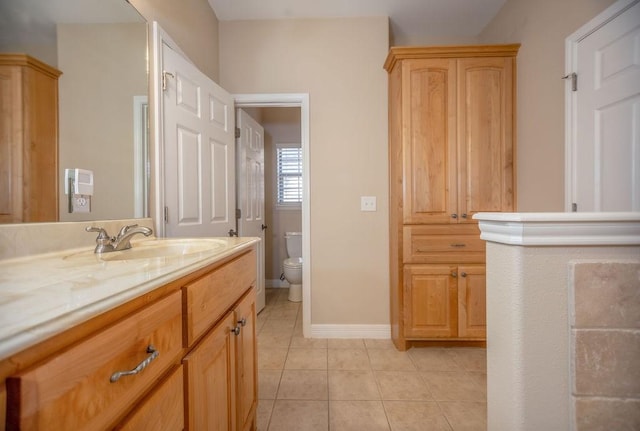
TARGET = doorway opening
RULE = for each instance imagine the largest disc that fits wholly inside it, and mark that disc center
(301, 101)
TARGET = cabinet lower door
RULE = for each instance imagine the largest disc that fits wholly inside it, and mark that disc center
(210, 378)
(430, 301)
(162, 410)
(246, 360)
(472, 301)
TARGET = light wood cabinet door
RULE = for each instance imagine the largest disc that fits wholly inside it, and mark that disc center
(246, 372)
(428, 140)
(472, 301)
(162, 410)
(486, 177)
(210, 370)
(28, 140)
(431, 301)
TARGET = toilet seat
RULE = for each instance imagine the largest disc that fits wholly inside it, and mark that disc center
(293, 262)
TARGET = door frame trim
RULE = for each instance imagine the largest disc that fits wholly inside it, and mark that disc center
(571, 99)
(286, 100)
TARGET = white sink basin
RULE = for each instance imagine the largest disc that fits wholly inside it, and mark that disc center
(157, 248)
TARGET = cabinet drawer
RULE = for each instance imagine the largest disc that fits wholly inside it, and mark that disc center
(209, 297)
(162, 410)
(442, 244)
(74, 391)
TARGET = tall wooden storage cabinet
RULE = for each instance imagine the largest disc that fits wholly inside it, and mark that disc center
(451, 154)
(28, 140)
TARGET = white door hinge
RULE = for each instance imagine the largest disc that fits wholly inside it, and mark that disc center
(574, 80)
(164, 78)
(237, 132)
(166, 214)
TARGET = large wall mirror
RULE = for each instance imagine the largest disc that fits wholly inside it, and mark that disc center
(100, 46)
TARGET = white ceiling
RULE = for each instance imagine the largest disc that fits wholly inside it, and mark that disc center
(412, 21)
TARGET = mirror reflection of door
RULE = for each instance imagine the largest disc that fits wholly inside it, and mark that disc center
(250, 190)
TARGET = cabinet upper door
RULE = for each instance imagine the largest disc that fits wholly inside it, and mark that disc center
(485, 135)
(428, 140)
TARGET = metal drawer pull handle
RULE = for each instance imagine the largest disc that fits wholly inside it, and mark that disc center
(458, 245)
(236, 330)
(464, 216)
(141, 366)
(464, 274)
(454, 215)
(454, 274)
(242, 322)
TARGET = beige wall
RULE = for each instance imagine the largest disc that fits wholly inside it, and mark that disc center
(192, 24)
(541, 27)
(339, 63)
(104, 67)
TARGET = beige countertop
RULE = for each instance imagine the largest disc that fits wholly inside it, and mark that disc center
(45, 294)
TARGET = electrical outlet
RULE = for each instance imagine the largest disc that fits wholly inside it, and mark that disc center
(367, 203)
(81, 204)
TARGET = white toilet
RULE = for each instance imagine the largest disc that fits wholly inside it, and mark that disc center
(293, 265)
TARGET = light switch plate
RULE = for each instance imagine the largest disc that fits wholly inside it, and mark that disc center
(367, 203)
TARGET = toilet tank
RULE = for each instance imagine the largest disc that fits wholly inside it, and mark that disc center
(293, 241)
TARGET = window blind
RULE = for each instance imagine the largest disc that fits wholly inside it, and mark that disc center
(289, 170)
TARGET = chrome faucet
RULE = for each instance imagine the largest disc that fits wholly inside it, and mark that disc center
(106, 243)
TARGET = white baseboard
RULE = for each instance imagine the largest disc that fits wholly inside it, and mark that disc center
(351, 331)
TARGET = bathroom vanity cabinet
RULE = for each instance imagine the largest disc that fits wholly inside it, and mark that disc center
(451, 155)
(28, 140)
(193, 341)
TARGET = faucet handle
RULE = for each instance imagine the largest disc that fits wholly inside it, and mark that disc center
(102, 234)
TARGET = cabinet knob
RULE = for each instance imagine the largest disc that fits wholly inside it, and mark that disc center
(454, 215)
(463, 274)
(242, 322)
(464, 215)
(236, 330)
(454, 274)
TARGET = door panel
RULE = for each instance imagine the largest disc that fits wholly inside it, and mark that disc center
(485, 136)
(250, 168)
(607, 142)
(199, 152)
(430, 306)
(429, 136)
(472, 301)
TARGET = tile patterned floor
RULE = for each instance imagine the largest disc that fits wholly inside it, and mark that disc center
(361, 385)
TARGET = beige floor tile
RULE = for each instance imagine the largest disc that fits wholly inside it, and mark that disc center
(271, 339)
(309, 343)
(390, 360)
(279, 325)
(263, 414)
(306, 359)
(456, 385)
(346, 343)
(434, 359)
(415, 416)
(271, 358)
(379, 344)
(357, 416)
(352, 385)
(402, 385)
(303, 385)
(465, 416)
(348, 359)
(268, 382)
(471, 359)
(299, 415)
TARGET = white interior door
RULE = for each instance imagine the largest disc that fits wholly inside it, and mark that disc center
(199, 153)
(605, 140)
(250, 190)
